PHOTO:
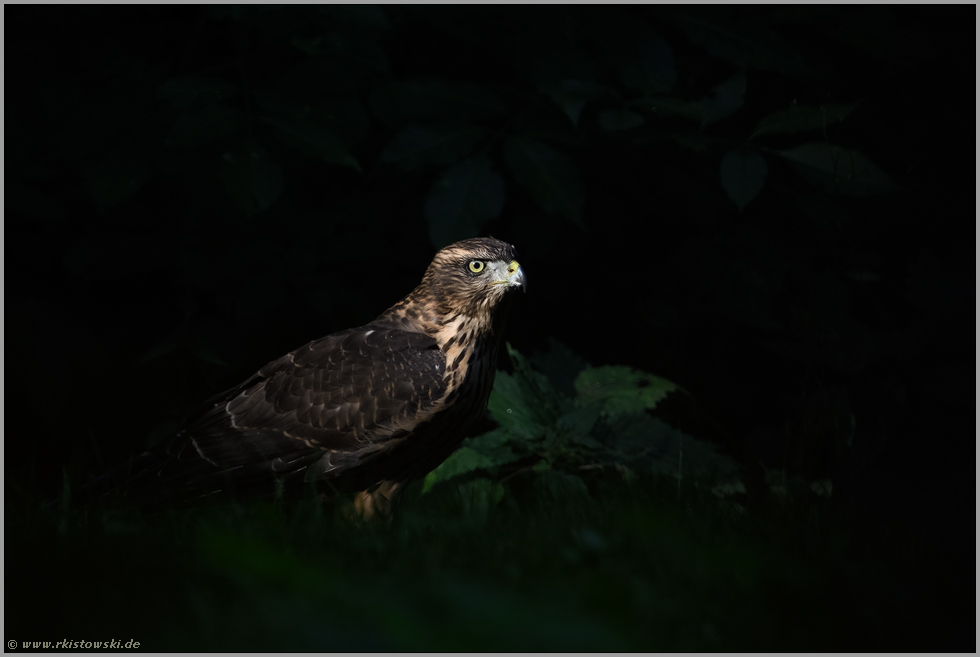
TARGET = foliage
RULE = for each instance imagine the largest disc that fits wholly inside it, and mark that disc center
(473, 566)
(604, 425)
(325, 89)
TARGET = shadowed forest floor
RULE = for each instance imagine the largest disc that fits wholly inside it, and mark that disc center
(479, 566)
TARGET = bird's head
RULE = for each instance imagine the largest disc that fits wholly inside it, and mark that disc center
(474, 275)
(468, 280)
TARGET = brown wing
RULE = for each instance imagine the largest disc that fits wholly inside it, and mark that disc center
(320, 410)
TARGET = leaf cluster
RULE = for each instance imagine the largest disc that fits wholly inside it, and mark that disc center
(321, 87)
(605, 424)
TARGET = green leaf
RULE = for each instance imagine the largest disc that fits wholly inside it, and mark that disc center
(465, 197)
(200, 126)
(314, 140)
(559, 65)
(509, 408)
(281, 103)
(252, 178)
(578, 420)
(400, 102)
(561, 486)
(561, 365)
(619, 120)
(839, 170)
(743, 173)
(497, 445)
(524, 402)
(195, 91)
(803, 117)
(486, 452)
(743, 42)
(551, 177)
(460, 462)
(480, 496)
(724, 100)
(620, 389)
(568, 78)
(637, 436)
(357, 51)
(572, 95)
(335, 77)
(546, 125)
(652, 445)
(443, 143)
(344, 116)
(668, 106)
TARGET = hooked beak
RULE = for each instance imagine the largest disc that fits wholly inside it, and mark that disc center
(516, 276)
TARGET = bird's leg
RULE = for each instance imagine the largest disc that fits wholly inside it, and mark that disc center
(377, 501)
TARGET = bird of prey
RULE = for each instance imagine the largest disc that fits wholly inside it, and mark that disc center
(364, 410)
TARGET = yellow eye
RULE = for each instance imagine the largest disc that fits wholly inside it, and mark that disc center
(476, 266)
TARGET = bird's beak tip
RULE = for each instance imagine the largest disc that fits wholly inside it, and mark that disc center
(517, 276)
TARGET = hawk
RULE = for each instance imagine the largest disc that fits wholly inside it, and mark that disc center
(366, 409)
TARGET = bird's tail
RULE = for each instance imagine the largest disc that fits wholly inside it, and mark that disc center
(117, 487)
(168, 481)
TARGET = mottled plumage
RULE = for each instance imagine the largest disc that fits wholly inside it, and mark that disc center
(366, 409)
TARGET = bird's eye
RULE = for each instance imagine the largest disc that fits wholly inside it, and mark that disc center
(476, 266)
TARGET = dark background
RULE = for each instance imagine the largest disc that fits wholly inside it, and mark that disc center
(191, 192)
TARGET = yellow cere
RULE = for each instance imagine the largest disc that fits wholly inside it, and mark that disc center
(511, 270)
